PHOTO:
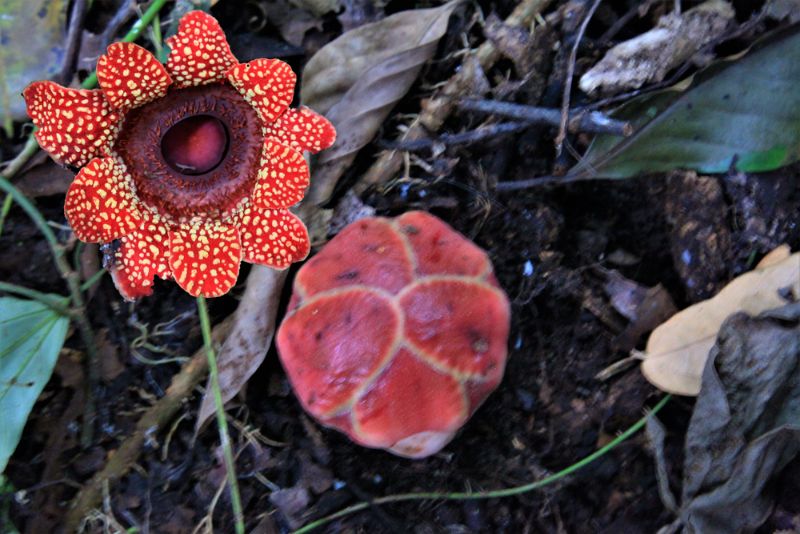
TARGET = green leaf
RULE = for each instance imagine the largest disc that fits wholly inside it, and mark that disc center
(31, 336)
(743, 112)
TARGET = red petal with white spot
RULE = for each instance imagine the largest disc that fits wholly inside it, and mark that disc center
(267, 84)
(303, 129)
(199, 51)
(205, 258)
(100, 204)
(282, 177)
(276, 238)
(74, 125)
(130, 76)
(142, 255)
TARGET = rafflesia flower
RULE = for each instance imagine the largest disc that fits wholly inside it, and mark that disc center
(188, 168)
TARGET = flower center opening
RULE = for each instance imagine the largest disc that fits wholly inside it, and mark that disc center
(195, 145)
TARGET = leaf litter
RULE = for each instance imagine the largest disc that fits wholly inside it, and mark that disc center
(745, 427)
(549, 410)
(677, 350)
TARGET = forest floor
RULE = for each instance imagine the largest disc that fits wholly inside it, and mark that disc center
(556, 250)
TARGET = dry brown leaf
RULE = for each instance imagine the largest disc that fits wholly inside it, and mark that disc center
(678, 349)
(317, 7)
(776, 255)
(357, 79)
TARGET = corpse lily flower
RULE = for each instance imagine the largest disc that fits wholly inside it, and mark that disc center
(188, 168)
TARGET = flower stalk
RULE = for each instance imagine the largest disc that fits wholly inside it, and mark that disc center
(222, 422)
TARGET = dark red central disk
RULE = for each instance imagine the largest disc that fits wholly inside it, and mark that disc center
(195, 145)
(193, 153)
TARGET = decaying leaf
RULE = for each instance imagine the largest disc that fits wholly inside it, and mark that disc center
(357, 79)
(742, 113)
(317, 7)
(745, 426)
(650, 56)
(644, 307)
(678, 349)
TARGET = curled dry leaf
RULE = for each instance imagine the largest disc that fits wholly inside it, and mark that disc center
(357, 79)
(678, 349)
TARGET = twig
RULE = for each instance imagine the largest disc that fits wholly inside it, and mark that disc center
(222, 422)
(461, 138)
(123, 14)
(638, 10)
(132, 35)
(508, 492)
(573, 57)
(73, 38)
(150, 424)
(580, 120)
(440, 106)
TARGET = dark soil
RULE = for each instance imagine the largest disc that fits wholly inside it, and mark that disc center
(552, 249)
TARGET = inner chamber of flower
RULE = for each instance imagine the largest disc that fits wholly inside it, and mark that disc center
(190, 167)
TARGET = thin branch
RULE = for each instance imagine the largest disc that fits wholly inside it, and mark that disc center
(573, 57)
(579, 121)
(461, 138)
(637, 10)
(151, 423)
(73, 38)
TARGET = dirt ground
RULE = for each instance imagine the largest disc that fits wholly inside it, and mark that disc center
(554, 249)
